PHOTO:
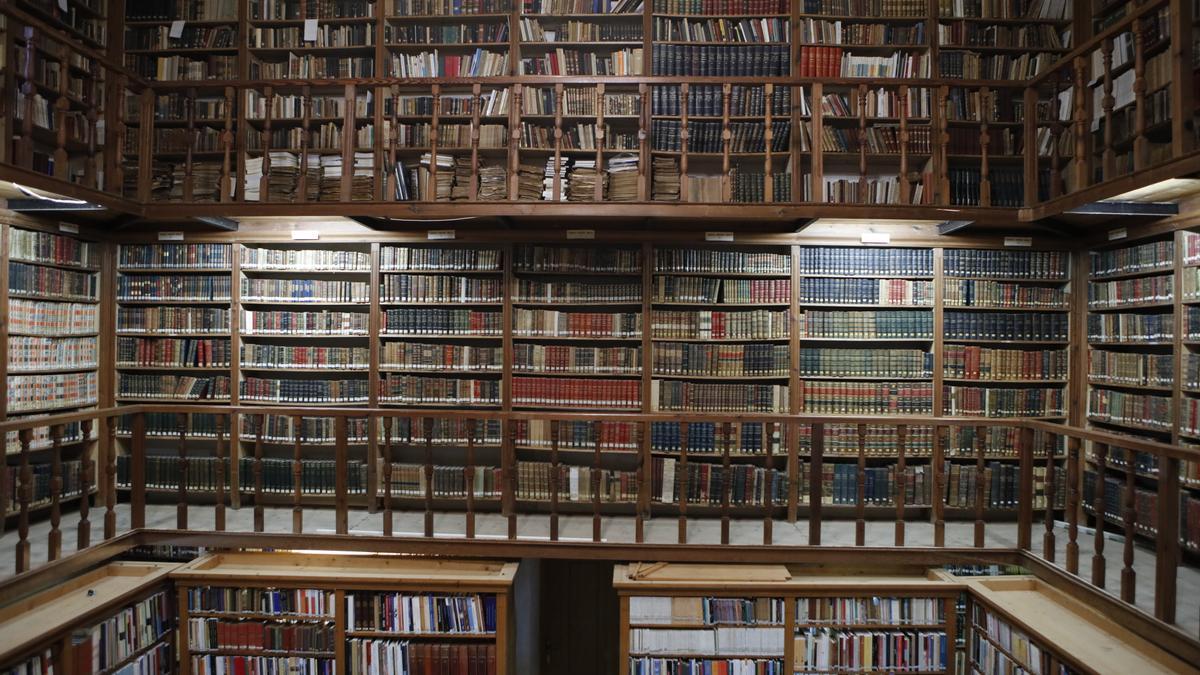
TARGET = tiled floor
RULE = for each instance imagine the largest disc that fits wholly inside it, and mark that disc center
(658, 530)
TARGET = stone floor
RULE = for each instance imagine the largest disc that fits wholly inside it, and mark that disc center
(620, 529)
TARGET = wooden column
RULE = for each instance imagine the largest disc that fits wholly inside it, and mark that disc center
(901, 481)
(24, 494)
(815, 488)
(1129, 521)
(1098, 572)
(54, 539)
(1166, 548)
(260, 425)
(860, 497)
(980, 450)
(1109, 157)
(1072, 507)
(87, 473)
(388, 521)
(1050, 489)
(1025, 489)
(181, 505)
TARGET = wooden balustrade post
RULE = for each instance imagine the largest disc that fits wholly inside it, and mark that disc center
(23, 155)
(1025, 489)
(1109, 157)
(1030, 149)
(260, 423)
(1129, 521)
(980, 467)
(470, 427)
(1099, 488)
(597, 428)
(297, 475)
(341, 480)
(388, 521)
(24, 494)
(554, 479)
(219, 509)
(901, 481)
(644, 472)
(87, 477)
(54, 539)
(768, 433)
(1072, 506)
(1080, 120)
(109, 457)
(1050, 490)
(987, 96)
(682, 481)
(816, 465)
(181, 488)
(1140, 142)
(1166, 549)
(225, 185)
(860, 492)
(509, 475)
(427, 427)
(939, 485)
(726, 478)
(137, 473)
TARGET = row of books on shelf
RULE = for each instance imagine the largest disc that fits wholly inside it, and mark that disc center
(173, 387)
(1016, 326)
(878, 139)
(366, 655)
(679, 396)
(571, 62)
(48, 318)
(182, 320)
(416, 390)
(706, 100)
(41, 475)
(210, 634)
(867, 398)
(205, 474)
(305, 290)
(691, 289)
(181, 353)
(1133, 328)
(968, 362)
(720, 60)
(1119, 407)
(960, 401)
(880, 324)
(1131, 368)
(1154, 256)
(1145, 511)
(589, 393)
(304, 323)
(44, 353)
(51, 283)
(833, 260)
(29, 393)
(44, 247)
(721, 360)
(174, 256)
(1142, 290)
(1000, 295)
(174, 288)
(899, 292)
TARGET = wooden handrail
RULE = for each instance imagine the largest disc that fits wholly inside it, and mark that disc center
(1096, 41)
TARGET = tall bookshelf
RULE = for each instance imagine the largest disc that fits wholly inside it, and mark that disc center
(52, 357)
(356, 613)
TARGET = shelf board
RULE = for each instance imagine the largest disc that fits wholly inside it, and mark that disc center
(1048, 383)
(1138, 305)
(719, 378)
(1129, 425)
(1124, 385)
(1131, 274)
(51, 371)
(62, 266)
(730, 340)
(981, 308)
(173, 270)
(851, 305)
(527, 373)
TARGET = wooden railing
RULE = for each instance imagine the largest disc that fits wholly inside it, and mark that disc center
(1055, 157)
(392, 431)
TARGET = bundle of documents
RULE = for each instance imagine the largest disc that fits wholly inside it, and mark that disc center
(623, 178)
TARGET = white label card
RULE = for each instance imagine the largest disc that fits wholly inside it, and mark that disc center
(876, 238)
(170, 236)
(62, 4)
(69, 228)
(581, 234)
(306, 235)
(310, 30)
(440, 234)
(1018, 241)
(1119, 233)
(718, 236)
(176, 29)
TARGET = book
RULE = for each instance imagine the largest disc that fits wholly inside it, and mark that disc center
(172, 387)
(304, 391)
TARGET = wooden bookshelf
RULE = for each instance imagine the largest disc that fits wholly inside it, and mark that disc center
(330, 584)
(777, 607)
(44, 627)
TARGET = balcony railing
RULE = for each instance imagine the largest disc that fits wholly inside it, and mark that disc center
(1114, 113)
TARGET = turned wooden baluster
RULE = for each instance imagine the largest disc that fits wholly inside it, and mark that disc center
(681, 482)
(219, 475)
(225, 186)
(1057, 128)
(642, 478)
(942, 149)
(297, 475)
(109, 457)
(1082, 172)
(726, 146)
(189, 159)
(901, 481)
(985, 139)
(470, 426)
(1100, 450)
(1025, 489)
(54, 540)
(24, 149)
(341, 465)
(264, 181)
(902, 110)
(1050, 490)
(1129, 520)
(768, 432)
(24, 495)
(509, 476)
(92, 117)
(860, 493)
(1166, 549)
(726, 479)
(1109, 160)
(554, 482)
(1140, 142)
(862, 144)
(1073, 505)
(980, 485)
(768, 142)
(137, 473)
(684, 142)
(259, 516)
(387, 476)
(393, 137)
(427, 425)
(597, 428)
(939, 485)
(816, 497)
(87, 476)
(303, 189)
(114, 177)
(181, 489)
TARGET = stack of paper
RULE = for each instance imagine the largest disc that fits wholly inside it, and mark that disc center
(623, 178)
(665, 177)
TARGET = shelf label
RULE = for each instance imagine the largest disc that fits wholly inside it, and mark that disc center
(876, 238)
(439, 234)
(176, 29)
(1119, 233)
(305, 235)
(1018, 241)
(310, 30)
(170, 236)
(581, 234)
(718, 236)
(69, 228)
